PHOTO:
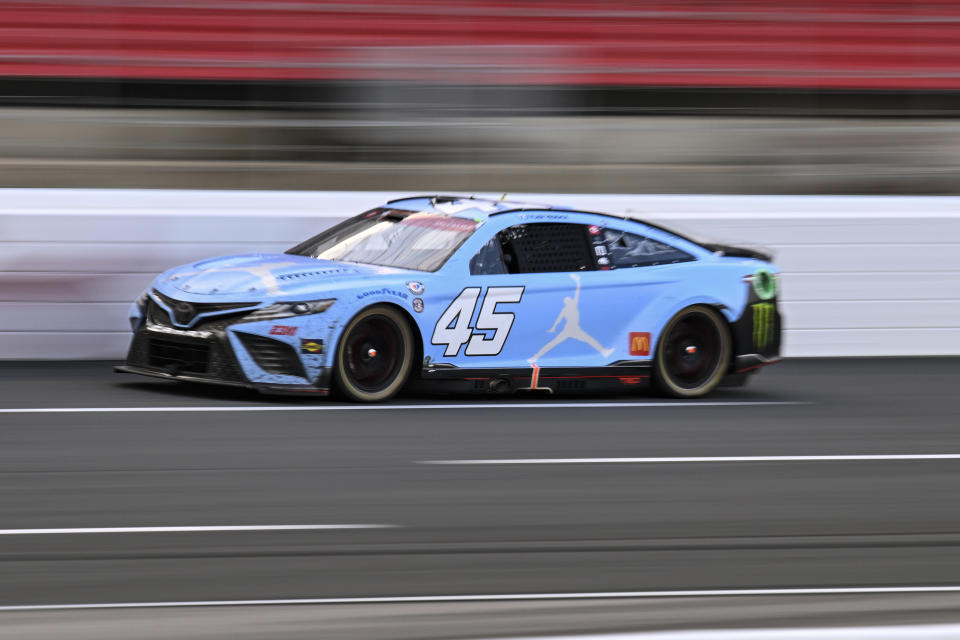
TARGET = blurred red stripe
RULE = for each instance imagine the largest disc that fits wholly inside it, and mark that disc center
(847, 43)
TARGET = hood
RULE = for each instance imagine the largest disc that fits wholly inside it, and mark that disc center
(256, 276)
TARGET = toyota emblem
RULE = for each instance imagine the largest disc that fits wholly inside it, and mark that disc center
(183, 312)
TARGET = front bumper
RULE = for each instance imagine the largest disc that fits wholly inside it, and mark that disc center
(203, 357)
(281, 389)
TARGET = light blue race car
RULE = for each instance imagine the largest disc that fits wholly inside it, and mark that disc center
(466, 294)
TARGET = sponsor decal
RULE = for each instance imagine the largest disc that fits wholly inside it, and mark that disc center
(570, 317)
(764, 321)
(594, 230)
(639, 343)
(311, 346)
(764, 284)
(416, 288)
(600, 250)
(418, 305)
(631, 380)
(382, 292)
(283, 330)
(442, 223)
(603, 260)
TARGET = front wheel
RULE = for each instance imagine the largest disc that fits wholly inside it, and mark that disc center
(693, 353)
(375, 355)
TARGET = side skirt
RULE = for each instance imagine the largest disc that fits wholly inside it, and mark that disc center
(537, 379)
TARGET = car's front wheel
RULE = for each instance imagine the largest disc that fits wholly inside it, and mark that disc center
(693, 353)
(375, 355)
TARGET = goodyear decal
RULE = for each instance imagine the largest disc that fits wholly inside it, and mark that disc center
(383, 292)
(764, 324)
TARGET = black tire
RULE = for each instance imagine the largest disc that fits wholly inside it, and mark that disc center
(693, 353)
(375, 355)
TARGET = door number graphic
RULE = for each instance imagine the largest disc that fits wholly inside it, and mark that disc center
(453, 328)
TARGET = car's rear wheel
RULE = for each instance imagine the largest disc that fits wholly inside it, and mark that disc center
(375, 355)
(693, 353)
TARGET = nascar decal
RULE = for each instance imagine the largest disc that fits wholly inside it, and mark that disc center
(570, 315)
(453, 328)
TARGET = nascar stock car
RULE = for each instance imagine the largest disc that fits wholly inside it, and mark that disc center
(466, 294)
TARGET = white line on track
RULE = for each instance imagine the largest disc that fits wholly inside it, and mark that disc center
(894, 632)
(384, 407)
(256, 527)
(700, 459)
(589, 595)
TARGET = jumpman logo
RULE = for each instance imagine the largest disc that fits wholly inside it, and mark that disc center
(570, 314)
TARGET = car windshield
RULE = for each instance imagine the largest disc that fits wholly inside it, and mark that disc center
(391, 238)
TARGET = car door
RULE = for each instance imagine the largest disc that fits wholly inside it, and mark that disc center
(524, 302)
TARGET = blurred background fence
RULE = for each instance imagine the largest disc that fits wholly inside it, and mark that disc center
(728, 96)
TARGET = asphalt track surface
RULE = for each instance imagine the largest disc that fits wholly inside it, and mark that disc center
(179, 457)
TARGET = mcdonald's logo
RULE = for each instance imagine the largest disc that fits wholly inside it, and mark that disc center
(640, 343)
(764, 324)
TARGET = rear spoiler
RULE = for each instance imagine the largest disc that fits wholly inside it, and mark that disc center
(715, 247)
(736, 252)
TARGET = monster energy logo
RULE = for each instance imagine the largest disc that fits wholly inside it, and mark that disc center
(763, 324)
(764, 284)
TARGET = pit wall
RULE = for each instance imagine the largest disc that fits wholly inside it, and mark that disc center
(862, 276)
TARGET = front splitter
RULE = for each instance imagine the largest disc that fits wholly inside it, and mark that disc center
(276, 389)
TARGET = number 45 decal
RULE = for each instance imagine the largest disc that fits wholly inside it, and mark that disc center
(453, 328)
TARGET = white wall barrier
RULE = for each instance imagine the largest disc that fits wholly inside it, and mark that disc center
(862, 275)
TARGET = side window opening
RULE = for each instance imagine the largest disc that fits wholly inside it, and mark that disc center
(546, 247)
(617, 249)
(489, 260)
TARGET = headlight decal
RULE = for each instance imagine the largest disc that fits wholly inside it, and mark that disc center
(279, 310)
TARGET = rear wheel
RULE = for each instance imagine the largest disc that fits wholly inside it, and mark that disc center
(693, 353)
(375, 355)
